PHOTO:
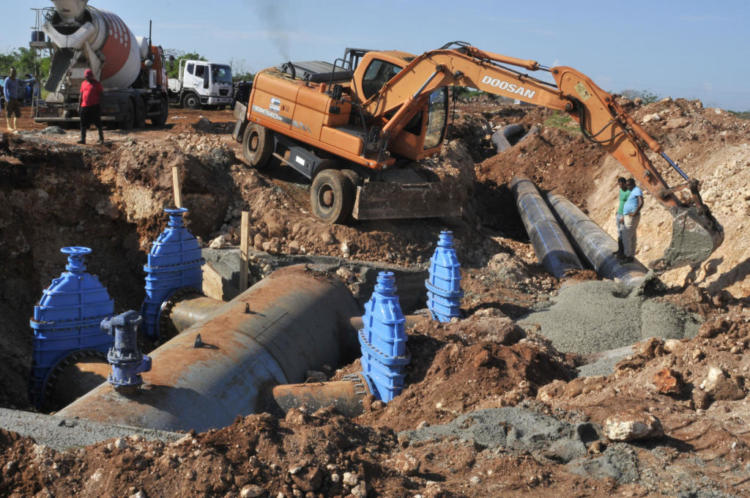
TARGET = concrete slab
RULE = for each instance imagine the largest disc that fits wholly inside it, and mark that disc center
(65, 433)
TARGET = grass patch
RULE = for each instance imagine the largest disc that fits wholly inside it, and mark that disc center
(563, 122)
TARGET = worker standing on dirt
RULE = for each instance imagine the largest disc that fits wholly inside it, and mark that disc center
(12, 102)
(623, 196)
(631, 216)
(90, 110)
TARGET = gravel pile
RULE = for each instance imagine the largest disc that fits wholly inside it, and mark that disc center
(597, 316)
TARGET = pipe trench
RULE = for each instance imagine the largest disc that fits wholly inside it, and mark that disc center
(293, 321)
(595, 244)
(552, 248)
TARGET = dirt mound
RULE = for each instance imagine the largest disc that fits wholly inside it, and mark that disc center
(697, 388)
(555, 159)
(321, 453)
(472, 364)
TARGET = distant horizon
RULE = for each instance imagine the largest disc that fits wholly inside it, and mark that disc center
(686, 49)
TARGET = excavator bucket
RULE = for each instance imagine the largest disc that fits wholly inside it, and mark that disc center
(391, 200)
(695, 236)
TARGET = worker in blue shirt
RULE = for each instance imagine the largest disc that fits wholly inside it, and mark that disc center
(631, 216)
(619, 216)
(12, 103)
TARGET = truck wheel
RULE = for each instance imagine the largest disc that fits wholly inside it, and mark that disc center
(128, 120)
(140, 115)
(332, 196)
(161, 119)
(257, 146)
(191, 101)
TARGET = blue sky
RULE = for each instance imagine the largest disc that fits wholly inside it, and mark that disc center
(688, 48)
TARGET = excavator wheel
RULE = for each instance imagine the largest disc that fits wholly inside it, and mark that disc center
(257, 146)
(353, 177)
(332, 196)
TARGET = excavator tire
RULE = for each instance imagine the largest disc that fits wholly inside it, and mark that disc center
(332, 196)
(353, 177)
(257, 146)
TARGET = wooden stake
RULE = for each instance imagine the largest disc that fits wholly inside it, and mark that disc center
(176, 187)
(244, 242)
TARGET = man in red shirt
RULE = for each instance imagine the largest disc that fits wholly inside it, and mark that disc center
(91, 94)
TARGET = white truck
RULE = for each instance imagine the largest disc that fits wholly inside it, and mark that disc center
(201, 83)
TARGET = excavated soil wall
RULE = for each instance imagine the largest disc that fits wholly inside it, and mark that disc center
(54, 195)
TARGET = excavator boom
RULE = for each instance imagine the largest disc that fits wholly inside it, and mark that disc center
(696, 233)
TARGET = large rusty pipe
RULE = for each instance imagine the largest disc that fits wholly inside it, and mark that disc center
(186, 311)
(344, 395)
(596, 244)
(552, 248)
(293, 321)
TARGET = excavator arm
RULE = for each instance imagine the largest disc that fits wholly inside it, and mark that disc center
(696, 233)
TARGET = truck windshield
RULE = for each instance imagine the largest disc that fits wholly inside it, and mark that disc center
(221, 74)
(436, 118)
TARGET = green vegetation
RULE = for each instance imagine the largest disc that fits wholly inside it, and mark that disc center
(562, 121)
(646, 96)
(26, 62)
(173, 60)
(741, 115)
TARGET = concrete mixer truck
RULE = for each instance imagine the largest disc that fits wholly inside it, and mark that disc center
(130, 68)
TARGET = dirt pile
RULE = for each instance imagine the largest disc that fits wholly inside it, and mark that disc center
(698, 390)
(614, 317)
(483, 361)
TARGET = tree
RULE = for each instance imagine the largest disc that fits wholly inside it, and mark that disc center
(240, 71)
(26, 62)
(175, 56)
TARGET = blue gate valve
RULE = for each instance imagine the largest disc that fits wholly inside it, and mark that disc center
(126, 359)
(444, 283)
(383, 340)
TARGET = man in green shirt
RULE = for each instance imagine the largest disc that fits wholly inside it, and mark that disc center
(624, 194)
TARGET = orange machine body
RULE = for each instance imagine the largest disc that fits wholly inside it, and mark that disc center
(307, 112)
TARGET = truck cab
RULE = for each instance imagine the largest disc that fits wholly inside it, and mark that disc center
(201, 83)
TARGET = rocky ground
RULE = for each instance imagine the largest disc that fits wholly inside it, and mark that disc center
(493, 405)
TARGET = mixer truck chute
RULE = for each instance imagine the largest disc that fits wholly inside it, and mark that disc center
(130, 68)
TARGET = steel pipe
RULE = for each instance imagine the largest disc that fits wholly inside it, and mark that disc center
(186, 311)
(595, 244)
(293, 321)
(552, 248)
(344, 395)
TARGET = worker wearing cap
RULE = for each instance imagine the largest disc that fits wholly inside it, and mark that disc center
(632, 215)
(90, 97)
(12, 89)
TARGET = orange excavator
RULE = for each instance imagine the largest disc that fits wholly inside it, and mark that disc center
(356, 127)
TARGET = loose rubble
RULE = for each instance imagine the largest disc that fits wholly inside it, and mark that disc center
(499, 403)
